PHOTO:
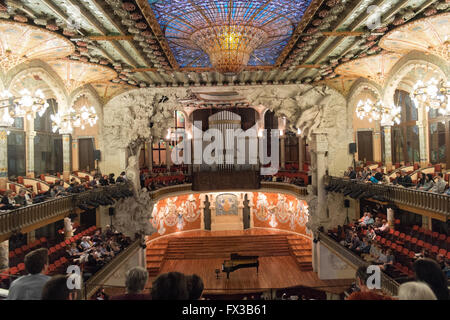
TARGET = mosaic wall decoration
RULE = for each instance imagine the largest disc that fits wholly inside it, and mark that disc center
(226, 204)
(176, 213)
(278, 209)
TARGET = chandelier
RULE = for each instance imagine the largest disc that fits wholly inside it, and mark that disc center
(378, 111)
(229, 47)
(433, 94)
(66, 122)
(26, 105)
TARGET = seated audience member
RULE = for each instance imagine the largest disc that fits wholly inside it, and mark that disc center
(136, 279)
(424, 253)
(170, 286)
(439, 184)
(446, 269)
(8, 201)
(351, 173)
(73, 251)
(379, 174)
(29, 287)
(374, 253)
(364, 293)
(428, 184)
(447, 192)
(382, 257)
(56, 289)
(372, 179)
(364, 247)
(398, 181)
(389, 264)
(377, 223)
(104, 181)
(85, 243)
(95, 182)
(386, 179)
(111, 179)
(371, 235)
(428, 271)
(355, 242)
(415, 291)
(384, 227)
(195, 287)
(368, 221)
(121, 178)
(407, 181)
(420, 180)
(23, 198)
(365, 216)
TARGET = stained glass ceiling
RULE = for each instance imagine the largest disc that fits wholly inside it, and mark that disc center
(180, 19)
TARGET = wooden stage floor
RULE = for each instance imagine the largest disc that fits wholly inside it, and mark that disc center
(274, 271)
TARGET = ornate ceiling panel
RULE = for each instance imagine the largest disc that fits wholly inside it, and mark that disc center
(374, 68)
(429, 34)
(21, 42)
(107, 90)
(76, 74)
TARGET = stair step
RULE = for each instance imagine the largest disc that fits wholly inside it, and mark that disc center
(304, 260)
(155, 258)
(154, 252)
(154, 265)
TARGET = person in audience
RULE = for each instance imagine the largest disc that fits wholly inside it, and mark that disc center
(368, 221)
(85, 243)
(29, 287)
(407, 182)
(122, 177)
(366, 173)
(446, 269)
(364, 247)
(371, 235)
(398, 181)
(420, 180)
(95, 182)
(59, 188)
(350, 173)
(389, 264)
(356, 242)
(382, 257)
(439, 184)
(195, 287)
(104, 181)
(8, 201)
(23, 199)
(386, 179)
(377, 223)
(57, 289)
(135, 281)
(111, 179)
(73, 251)
(447, 192)
(379, 174)
(415, 291)
(374, 253)
(365, 293)
(428, 271)
(440, 259)
(428, 184)
(384, 227)
(170, 286)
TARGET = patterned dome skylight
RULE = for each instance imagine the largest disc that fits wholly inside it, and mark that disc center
(272, 21)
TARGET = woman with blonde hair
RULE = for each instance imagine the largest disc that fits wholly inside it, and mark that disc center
(415, 291)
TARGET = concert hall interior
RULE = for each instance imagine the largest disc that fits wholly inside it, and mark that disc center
(224, 150)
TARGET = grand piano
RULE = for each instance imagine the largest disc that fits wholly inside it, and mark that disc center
(237, 262)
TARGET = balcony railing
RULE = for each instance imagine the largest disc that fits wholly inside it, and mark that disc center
(18, 219)
(437, 203)
(388, 284)
(99, 278)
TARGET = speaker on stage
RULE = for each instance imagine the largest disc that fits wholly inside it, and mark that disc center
(97, 155)
(352, 148)
(346, 203)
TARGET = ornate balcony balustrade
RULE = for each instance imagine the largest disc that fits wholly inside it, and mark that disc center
(421, 202)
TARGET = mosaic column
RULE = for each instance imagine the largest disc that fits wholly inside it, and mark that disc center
(75, 155)
(321, 149)
(3, 157)
(283, 152)
(168, 156)
(30, 134)
(4, 254)
(422, 125)
(387, 147)
(150, 155)
(66, 155)
(301, 148)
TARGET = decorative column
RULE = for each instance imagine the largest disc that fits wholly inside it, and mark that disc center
(66, 155)
(422, 124)
(283, 151)
(321, 149)
(68, 230)
(150, 155)
(250, 206)
(4, 254)
(313, 169)
(387, 147)
(76, 155)
(30, 134)
(168, 156)
(301, 156)
(390, 217)
(202, 211)
(3, 156)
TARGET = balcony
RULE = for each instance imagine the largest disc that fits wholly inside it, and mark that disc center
(388, 284)
(421, 202)
(34, 216)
